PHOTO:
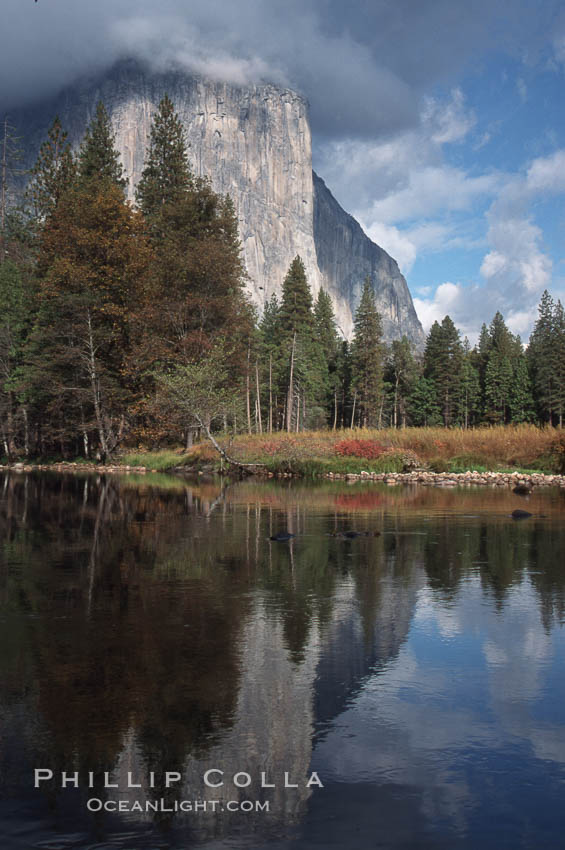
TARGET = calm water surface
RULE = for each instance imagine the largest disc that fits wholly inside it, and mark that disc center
(150, 625)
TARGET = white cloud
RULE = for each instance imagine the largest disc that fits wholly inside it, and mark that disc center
(520, 321)
(445, 301)
(493, 264)
(399, 245)
(405, 245)
(449, 122)
(547, 174)
(433, 189)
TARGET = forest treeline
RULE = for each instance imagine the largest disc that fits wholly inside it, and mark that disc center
(128, 324)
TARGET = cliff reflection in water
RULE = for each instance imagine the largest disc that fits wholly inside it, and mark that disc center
(153, 626)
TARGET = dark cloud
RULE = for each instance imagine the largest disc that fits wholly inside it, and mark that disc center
(362, 64)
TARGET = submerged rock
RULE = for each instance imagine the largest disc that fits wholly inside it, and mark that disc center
(522, 490)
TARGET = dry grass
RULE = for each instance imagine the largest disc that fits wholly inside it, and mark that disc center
(520, 446)
(311, 452)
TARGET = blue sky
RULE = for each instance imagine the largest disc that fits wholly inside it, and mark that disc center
(471, 200)
(439, 124)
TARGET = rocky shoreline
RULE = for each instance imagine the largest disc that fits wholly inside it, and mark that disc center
(454, 479)
(424, 477)
(445, 479)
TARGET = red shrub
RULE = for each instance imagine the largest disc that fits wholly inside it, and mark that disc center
(368, 449)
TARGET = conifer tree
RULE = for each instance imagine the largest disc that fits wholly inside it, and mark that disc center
(498, 385)
(540, 358)
(98, 159)
(16, 314)
(343, 381)
(470, 410)
(166, 175)
(442, 365)
(296, 302)
(53, 173)
(325, 324)
(328, 339)
(401, 374)
(520, 402)
(10, 156)
(305, 375)
(272, 367)
(559, 361)
(423, 407)
(92, 267)
(367, 359)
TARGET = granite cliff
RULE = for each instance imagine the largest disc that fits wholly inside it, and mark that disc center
(254, 143)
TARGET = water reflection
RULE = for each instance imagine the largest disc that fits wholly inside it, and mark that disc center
(149, 624)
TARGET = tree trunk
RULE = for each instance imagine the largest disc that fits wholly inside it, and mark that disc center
(290, 396)
(247, 391)
(205, 425)
(94, 384)
(335, 409)
(270, 393)
(259, 420)
(26, 431)
(353, 410)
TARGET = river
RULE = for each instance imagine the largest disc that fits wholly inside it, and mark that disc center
(171, 677)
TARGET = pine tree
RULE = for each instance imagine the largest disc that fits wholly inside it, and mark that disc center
(442, 365)
(325, 324)
(470, 412)
(296, 303)
(343, 380)
(92, 269)
(540, 360)
(53, 173)
(423, 407)
(270, 353)
(166, 175)
(327, 336)
(367, 359)
(305, 373)
(520, 401)
(98, 159)
(10, 156)
(16, 315)
(402, 374)
(498, 385)
(559, 361)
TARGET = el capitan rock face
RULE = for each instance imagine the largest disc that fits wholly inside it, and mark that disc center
(346, 256)
(254, 143)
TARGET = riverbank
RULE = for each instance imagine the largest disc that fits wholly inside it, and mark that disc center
(422, 455)
(312, 454)
(423, 477)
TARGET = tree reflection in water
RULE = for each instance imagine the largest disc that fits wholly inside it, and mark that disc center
(150, 624)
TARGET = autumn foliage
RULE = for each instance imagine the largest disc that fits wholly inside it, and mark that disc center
(369, 449)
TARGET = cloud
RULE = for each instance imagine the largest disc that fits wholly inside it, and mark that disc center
(547, 174)
(431, 190)
(516, 258)
(451, 121)
(389, 150)
(447, 300)
(364, 67)
(516, 268)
